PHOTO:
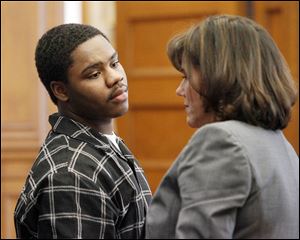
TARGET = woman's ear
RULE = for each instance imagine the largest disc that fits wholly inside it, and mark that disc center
(59, 90)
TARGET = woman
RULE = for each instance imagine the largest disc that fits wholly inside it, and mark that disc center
(238, 176)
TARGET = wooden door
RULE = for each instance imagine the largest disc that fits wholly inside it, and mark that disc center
(155, 128)
(281, 19)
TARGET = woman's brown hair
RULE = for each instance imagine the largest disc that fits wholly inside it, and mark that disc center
(243, 74)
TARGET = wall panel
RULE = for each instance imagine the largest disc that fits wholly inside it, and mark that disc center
(25, 104)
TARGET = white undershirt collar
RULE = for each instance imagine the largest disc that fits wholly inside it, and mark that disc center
(113, 138)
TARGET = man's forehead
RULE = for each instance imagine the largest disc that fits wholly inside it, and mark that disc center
(94, 49)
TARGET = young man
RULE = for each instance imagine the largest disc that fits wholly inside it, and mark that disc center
(85, 183)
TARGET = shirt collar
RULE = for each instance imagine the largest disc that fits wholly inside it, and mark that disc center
(76, 130)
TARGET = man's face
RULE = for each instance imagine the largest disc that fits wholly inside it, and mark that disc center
(97, 83)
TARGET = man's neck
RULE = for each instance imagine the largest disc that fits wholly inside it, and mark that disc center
(104, 125)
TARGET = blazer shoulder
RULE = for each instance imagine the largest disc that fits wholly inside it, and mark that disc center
(223, 128)
(232, 128)
(229, 125)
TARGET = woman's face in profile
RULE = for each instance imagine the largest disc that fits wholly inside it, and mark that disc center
(196, 116)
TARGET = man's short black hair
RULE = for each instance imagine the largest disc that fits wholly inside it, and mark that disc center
(52, 55)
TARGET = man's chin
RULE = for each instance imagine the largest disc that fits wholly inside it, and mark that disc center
(121, 113)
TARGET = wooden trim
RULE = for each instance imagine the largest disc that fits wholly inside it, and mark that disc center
(156, 164)
(152, 73)
(85, 12)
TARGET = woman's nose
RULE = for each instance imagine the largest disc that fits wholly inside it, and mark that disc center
(180, 89)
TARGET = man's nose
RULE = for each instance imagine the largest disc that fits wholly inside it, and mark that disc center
(113, 77)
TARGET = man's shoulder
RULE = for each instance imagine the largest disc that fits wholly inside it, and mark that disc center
(60, 153)
(58, 144)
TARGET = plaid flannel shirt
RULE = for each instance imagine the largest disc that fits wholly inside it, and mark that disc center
(81, 186)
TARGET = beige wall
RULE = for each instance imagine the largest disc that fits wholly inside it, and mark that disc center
(24, 102)
(101, 14)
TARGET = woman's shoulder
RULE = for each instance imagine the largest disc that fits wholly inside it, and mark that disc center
(228, 125)
(237, 132)
(249, 137)
(233, 127)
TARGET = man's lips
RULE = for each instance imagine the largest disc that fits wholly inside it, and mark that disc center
(118, 91)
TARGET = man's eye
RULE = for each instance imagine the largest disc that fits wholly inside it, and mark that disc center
(94, 75)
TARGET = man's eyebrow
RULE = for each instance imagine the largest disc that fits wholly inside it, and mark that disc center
(97, 64)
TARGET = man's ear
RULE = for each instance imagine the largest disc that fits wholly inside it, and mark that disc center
(59, 90)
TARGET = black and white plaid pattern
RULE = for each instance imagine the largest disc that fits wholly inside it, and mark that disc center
(81, 186)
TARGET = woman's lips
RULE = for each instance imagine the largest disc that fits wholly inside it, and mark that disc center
(186, 107)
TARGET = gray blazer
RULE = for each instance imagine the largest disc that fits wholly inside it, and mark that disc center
(232, 180)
